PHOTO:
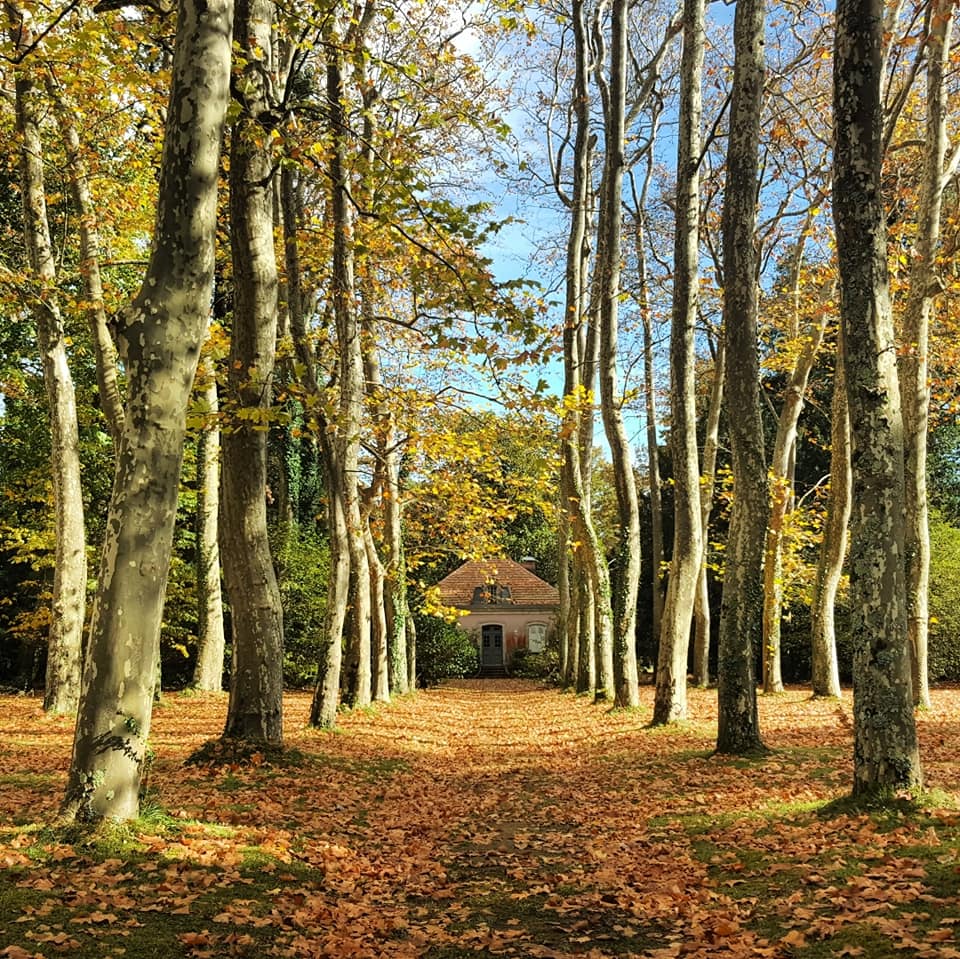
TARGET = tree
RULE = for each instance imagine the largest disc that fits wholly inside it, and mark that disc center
(802, 347)
(208, 671)
(159, 334)
(256, 678)
(913, 372)
(590, 589)
(741, 618)
(626, 574)
(670, 703)
(885, 752)
(833, 548)
(70, 563)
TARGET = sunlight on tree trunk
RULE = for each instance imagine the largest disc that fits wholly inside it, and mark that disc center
(211, 641)
(670, 703)
(255, 711)
(833, 548)
(68, 603)
(925, 284)
(625, 578)
(885, 752)
(160, 335)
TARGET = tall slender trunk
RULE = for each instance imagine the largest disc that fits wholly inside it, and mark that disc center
(578, 378)
(914, 388)
(65, 637)
(653, 442)
(411, 653)
(781, 491)
(255, 710)
(885, 751)
(398, 611)
(208, 671)
(341, 444)
(326, 697)
(670, 701)
(625, 580)
(833, 548)
(711, 443)
(741, 619)
(159, 336)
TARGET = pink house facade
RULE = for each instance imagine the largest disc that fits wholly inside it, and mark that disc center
(504, 606)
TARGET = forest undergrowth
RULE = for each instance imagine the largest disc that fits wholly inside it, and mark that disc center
(487, 818)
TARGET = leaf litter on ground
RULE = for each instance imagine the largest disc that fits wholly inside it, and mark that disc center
(486, 818)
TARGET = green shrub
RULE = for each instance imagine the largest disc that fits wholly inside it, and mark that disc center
(303, 566)
(443, 651)
(527, 665)
(944, 642)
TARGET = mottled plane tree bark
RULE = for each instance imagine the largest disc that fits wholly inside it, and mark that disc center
(885, 751)
(159, 336)
(741, 615)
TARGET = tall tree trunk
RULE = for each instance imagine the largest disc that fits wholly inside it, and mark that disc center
(576, 432)
(357, 677)
(741, 618)
(885, 754)
(208, 671)
(653, 442)
(670, 701)
(398, 609)
(326, 697)
(587, 659)
(159, 335)
(563, 591)
(781, 491)
(411, 653)
(388, 577)
(914, 389)
(711, 443)
(341, 446)
(833, 549)
(255, 711)
(65, 638)
(626, 578)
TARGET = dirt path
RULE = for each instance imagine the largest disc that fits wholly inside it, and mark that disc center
(481, 818)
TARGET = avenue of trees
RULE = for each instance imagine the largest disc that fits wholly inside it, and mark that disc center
(261, 367)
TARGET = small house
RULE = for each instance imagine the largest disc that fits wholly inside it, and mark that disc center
(504, 606)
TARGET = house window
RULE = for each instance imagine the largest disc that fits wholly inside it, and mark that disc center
(491, 593)
(536, 637)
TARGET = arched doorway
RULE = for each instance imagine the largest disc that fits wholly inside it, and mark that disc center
(491, 648)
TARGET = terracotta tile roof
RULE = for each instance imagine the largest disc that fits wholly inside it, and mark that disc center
(526, 588)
